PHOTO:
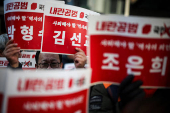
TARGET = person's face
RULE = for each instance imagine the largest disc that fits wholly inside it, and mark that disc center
(49, 61)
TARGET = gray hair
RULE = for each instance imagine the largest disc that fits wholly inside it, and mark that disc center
(3, 40)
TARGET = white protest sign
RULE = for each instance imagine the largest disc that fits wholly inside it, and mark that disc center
(65, 27)
(27, 63)
(24, 22)
(47, 91)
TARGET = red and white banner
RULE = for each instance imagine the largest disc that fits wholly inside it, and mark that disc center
(130, 45)
(24, 21)
(65, 28)
(27, 63)
(47, 91)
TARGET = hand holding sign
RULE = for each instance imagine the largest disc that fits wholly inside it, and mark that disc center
(80, 58)
(12, 52)
(127, 91)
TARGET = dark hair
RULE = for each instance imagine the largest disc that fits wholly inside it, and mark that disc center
(37, 57)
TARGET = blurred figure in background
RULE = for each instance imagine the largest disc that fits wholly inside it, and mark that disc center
(158, 103)
(3, 41)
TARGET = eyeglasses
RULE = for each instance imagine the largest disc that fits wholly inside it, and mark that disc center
(52, 65)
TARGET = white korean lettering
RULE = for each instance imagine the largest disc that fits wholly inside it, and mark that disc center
(73, 25)
(154, 47)
(35, 18)
(117, 43)
(148, 47)
(131, 45)
(68, 24)
(31, 18)
(40, 19)
(9, 18)
(104, 42)
(11, 30)
(18, 18)
(59, 41)
(79, 26)
(140, 46)
(123, 44)
(85, 27)
(87, 42)
(40, 33)
(134, 63)
(59, 105)
(156, 65)
(23, 18)
(27, 32)
(110, 43)
(64, 24)
(55, 23)
(59, 23)
(168, 47)
(162, 47)
(13, 18)
(76, 38)
(111, 61)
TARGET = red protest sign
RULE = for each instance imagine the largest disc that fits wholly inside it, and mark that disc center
(47, 91)
(24, 21)
(65, 29)
(129, 46)
(63, 104)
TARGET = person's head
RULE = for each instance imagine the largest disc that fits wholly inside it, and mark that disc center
(48, 61)
(3, 41)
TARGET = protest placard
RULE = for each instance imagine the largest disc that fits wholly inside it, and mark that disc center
(65, 28)
(24, 20)
(47, 91)
(130, 45)
(27, 63)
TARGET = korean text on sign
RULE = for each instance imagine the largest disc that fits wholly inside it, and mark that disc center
(129, 45)
(65, 28)
(47, 91)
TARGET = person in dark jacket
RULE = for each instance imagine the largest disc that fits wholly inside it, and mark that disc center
(113, 98)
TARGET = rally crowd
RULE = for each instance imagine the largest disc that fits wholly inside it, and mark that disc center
(128, 97)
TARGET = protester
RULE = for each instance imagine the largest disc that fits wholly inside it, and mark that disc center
(3, 41)
(114, 98)
(12, 53)
(101, 99)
